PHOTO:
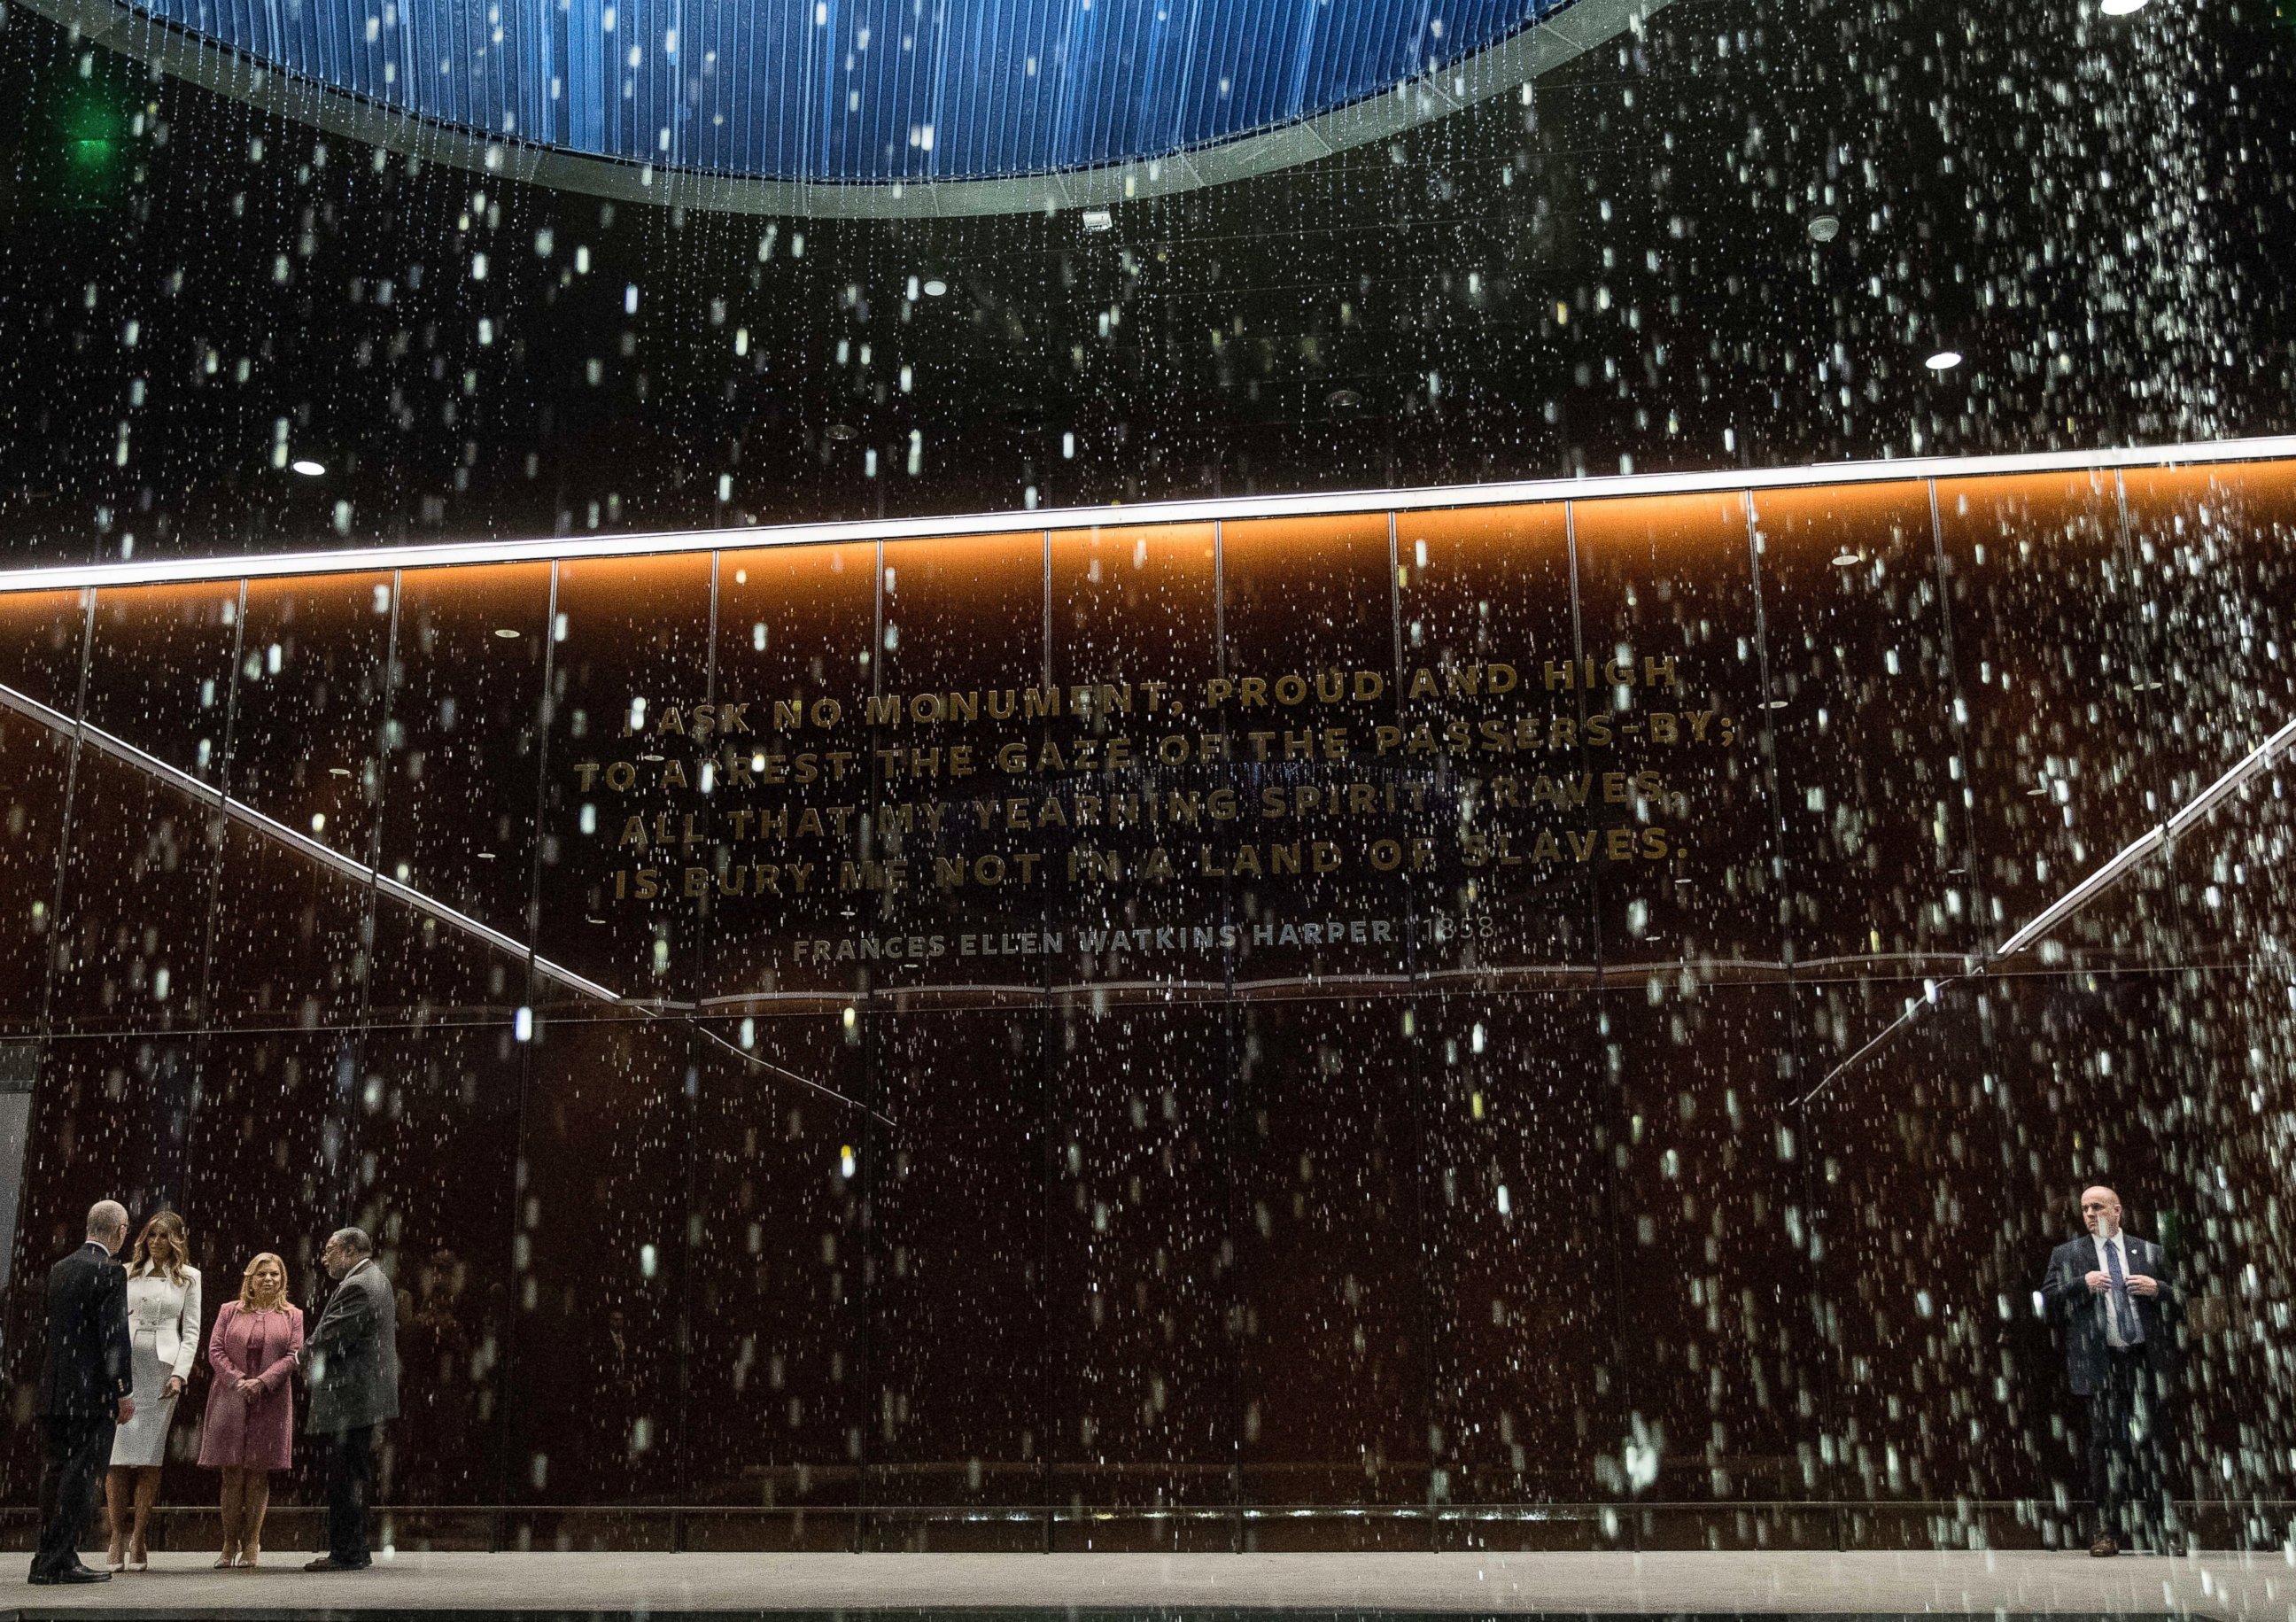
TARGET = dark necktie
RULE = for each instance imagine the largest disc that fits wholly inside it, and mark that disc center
(2124, 1310)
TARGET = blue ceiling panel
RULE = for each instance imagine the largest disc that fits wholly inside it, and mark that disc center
(859, 90)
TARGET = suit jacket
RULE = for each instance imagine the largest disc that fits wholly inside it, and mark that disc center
(169, 1314)
(2076, 1309)
(354, 1354)
(90, 1364)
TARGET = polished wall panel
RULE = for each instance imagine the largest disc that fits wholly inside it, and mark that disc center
(2229, 1055)
(308, 722)
(1139, 610)
(794, 628)
(1143, 1281)
(1313, 600)
(428, 967)
(1874, 833)
(35, 776)
(1924, 1217)
(964, 617)
(161, 667)
(2212, 572)
(601, 1258)
(134, 928)
(1331, 1252)
(777, 1396)
(295, 952)
(630, 662)
(42, 634)
(956, 1187)
(465, 719)
(1712, 1262)
(1686, 869)
(2055, 666)
(1485, 604)
(1530, 1329)
(434, 1118)
(2212, 567)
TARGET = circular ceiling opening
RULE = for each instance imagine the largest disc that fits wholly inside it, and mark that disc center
(863, 107)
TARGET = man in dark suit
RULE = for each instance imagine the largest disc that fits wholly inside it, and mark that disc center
(353, 1357)
(2112, 1294)
(84, 1391)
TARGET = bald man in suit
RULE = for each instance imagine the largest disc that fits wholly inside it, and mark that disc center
(85, 1391)
(2110, 1293)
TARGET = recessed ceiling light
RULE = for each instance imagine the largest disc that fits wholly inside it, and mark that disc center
(1098, 219)
(1849, 560)
(1342, 399)
(935, 288)
(841, 432)
(506, 633)
(1944, 360)
(308, 468)
(2120, 8)
(1824, 227)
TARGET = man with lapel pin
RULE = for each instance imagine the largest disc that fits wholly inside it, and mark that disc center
(2110, 1292)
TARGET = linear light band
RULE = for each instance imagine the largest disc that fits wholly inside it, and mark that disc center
(447, 554)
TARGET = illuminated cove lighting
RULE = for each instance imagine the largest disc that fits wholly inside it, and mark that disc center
(446, 554)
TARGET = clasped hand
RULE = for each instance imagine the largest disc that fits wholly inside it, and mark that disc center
(2139, 1283)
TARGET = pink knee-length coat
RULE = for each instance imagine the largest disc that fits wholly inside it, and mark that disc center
(256, 1432)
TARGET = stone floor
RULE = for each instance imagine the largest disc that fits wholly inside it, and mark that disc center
(659, 1587)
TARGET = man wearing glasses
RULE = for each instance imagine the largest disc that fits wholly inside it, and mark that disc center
(2110, 1292)
(352, 1359)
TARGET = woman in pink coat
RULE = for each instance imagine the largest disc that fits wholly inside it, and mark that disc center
(251, 1423)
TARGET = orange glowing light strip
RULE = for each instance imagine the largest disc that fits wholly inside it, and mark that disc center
(444, 554)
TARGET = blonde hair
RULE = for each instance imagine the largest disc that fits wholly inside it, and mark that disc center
(164, 1231)
(247, 1301)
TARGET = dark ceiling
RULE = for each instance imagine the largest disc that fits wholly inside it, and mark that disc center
(1620, 273)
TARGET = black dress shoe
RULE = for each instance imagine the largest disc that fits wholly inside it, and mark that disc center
(328, 1562)
(73, 1573)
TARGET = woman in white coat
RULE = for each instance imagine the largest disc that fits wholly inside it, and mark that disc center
(163, 1327)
